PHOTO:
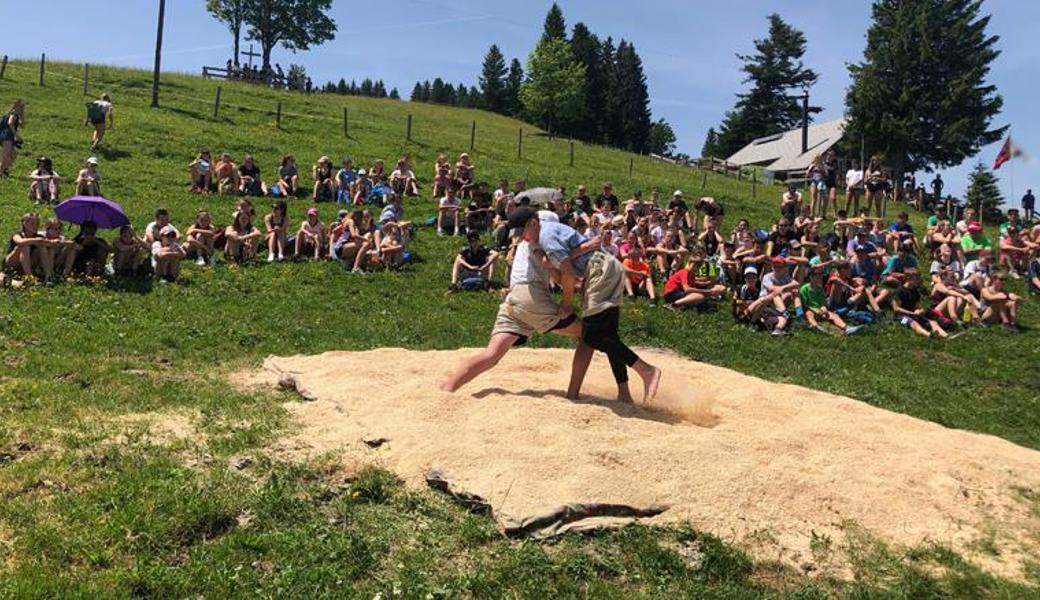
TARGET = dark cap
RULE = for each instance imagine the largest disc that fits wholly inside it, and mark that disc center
(521, 216)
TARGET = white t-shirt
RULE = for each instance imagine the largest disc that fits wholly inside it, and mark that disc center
(657, 234)
(105, 105)
(974, 268)
(157, 247)
(526, 268)
(152, 230)
(452, 202)
(853, 177)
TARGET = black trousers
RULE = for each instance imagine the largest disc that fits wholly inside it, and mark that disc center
(600, 332)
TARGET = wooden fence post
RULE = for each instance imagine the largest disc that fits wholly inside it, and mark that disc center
(3, 67)
(754, 183)
(408, 131)
(346, 128)
(520, 144)
(704, 182)
(472, 135)
(86, 77)
(278, 116)
(572, 153)
(43, 60)
(216, 103)
(631, 163)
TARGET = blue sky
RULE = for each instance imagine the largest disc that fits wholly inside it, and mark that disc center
(688, 49)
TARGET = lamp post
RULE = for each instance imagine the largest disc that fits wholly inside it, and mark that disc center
(158, 55)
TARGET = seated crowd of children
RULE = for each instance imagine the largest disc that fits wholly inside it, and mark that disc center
(858, 272)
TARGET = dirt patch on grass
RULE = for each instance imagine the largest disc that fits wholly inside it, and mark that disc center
(783, 470)
(158, 428)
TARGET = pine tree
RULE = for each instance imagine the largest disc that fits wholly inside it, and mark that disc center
(366, 87)
(711, 141)
(417, 93)
(437, 92)
(514, 81)
(492, 80)
(427, 92)
(920, 96)
(587, 50)
(633, 100)
(379, 89)
(461, 95)
(341, 87)
(394, 94)
(775, 71)
(474, 97)
(610, 131)
(554, 91)
(555, 27)
(984, 193)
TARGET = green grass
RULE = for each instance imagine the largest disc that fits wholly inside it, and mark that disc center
(81, 515)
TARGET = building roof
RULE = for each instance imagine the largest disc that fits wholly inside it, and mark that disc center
(783, 151)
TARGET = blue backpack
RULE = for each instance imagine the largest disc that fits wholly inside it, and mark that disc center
(95, 112)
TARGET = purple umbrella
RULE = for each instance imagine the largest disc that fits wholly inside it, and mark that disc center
(103, 212)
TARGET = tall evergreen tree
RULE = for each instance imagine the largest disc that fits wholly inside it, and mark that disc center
(417, 93)
(492, 80)
(366, 87)
(461, 95)
(984, 193)
(514, 81)
(474, 97)
(587, 50)
(711, 144)
(775, 71)
(555, 27)
(633, 100)
(341, 87)
(610, 131)
(394, 94)
(438, 94)
(920, 95)
(554, 90)
(427, 92)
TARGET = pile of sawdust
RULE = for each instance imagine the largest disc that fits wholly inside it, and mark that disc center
(766, 465)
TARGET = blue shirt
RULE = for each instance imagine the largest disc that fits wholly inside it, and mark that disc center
(866, 270)
(558, 240)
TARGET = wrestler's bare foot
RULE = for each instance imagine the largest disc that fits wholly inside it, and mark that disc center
(623, 395)
(447, 387)
(651, 380)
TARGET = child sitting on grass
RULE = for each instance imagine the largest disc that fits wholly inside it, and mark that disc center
(130, 253)
(92, 251)
(276, 225)
(201, 170)
(288, 178)
(241, 237)
(44, 180)
(814, 303)
(345, 179)
(693, 285)
(781, 287)
(753, 308)
(168, 254)
(906, 309)
(61, 249)
(392, 246)
(201, 239)
(1000, 305)
(310, 236)
(639, 278)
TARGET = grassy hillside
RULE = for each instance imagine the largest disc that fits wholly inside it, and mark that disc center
(134, 518)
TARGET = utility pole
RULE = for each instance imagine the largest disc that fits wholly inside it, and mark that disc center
(805, 120)
(158, 55)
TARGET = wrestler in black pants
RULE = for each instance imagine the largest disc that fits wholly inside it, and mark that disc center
(600, 332)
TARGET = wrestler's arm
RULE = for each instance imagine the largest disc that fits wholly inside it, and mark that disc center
(567, 283)
(587, 246)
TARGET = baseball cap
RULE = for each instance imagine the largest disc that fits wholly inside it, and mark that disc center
(750, 271)
(779, 260)
(167, 230)
(342, 214)
(519, 219)
(312, 212)
(864, 248)
(92, 160)
(677, 193)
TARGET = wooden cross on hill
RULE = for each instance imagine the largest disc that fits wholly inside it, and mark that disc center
(251, 54)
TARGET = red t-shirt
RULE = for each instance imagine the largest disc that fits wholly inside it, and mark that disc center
(678, 281)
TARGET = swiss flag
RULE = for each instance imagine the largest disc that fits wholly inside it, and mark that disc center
(1007, 152)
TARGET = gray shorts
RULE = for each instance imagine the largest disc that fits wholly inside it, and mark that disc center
(526, 310)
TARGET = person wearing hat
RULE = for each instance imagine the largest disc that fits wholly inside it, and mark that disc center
(464, 173)
(325, 182)
(781, 287)
(582, 201)
(201, 170)
(678, 212)
(88, 182)
(44, 182)
(310, 237)
(573, 255)
(528, 307)
(752, 308)
(1015, 251)
(974, 242)
(167, 254)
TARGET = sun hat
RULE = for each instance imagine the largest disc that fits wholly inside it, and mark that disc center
(677, 193)
(168, 230)
(312, 212)
(92, 160)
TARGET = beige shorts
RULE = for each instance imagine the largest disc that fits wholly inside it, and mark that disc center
(604, 284)
(526, 310)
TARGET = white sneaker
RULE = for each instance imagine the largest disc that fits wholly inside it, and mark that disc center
(281, 257)
(270, 258)
(201, 262)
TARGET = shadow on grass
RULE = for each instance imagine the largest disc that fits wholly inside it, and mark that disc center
(621, 409)
(113, 153)
(133, 285)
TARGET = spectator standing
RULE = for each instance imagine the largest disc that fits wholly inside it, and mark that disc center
(10, 141)
(1029, 206)
(98, 112)
(937, 187)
